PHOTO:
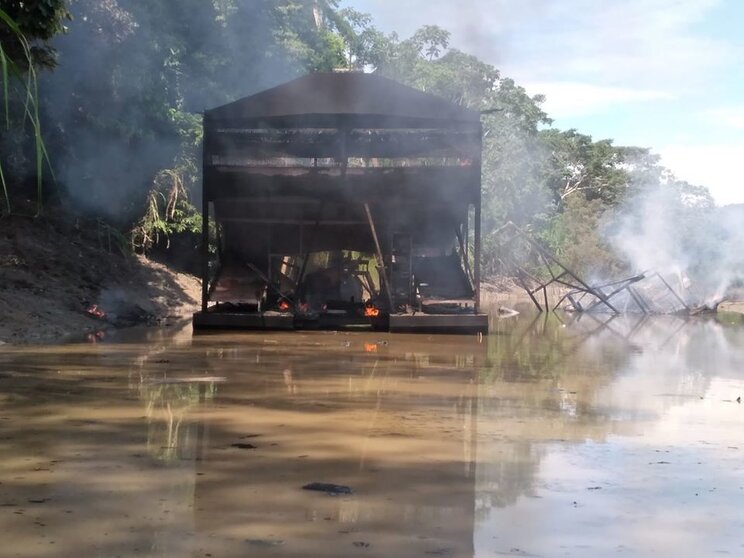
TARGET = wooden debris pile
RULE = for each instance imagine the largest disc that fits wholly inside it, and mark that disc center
(645, 293)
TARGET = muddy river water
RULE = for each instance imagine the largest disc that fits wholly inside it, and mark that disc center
(550, 437)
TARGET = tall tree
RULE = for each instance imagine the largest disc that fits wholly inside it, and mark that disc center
(579, 165)
(37, 22)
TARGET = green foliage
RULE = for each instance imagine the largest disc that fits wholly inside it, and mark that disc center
(579, 165)
(18, 60)
(360, 40)
(125, 127)
(574, 235)
(168, 211)
(37, 22)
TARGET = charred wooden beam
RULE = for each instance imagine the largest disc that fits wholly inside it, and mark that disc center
(205, 226)
(674, 293)
(548, 259)
(280, 221)
(380, 258)
(477, 244)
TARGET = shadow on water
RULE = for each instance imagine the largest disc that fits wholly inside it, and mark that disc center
(555, 435)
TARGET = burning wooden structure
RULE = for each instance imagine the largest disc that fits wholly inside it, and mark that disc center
(342, 200)
(645, 293)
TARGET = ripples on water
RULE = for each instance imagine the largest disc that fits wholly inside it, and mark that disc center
(551, 437)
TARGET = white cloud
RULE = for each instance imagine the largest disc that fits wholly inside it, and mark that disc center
(731, 117)
(637, 44)
(717, 167)
(566, 99)
(642, 44)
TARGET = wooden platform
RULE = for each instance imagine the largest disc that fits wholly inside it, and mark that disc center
(439, 323)
(399, 323)
(243, 320)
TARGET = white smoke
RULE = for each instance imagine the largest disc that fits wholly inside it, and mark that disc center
(674, 229)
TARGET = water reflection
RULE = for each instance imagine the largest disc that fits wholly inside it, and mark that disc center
(554, 436)
(626, 438)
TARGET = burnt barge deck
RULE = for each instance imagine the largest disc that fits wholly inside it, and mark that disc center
(396, 323)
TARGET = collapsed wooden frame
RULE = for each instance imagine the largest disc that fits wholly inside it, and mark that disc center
(645, 293)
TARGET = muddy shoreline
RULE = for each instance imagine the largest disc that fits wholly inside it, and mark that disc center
(57, 274)
(65, 278)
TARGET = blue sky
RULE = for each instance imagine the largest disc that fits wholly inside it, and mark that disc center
(664, 74)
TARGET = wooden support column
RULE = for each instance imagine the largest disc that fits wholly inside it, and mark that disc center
(380, 258)
(464, 253)
(269, 235)
(477, 229)
(205, 218)
(466, 235)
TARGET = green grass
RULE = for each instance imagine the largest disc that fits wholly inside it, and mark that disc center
(28, 79)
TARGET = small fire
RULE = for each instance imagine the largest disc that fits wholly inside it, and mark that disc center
(96, 337)
(284, 306)
(371, 311)
(96, 312)
(370, 347)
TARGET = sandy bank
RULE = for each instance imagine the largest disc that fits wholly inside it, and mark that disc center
(54, 270)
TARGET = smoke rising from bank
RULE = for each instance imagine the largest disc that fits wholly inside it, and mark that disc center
(673, 229)
(127, 73)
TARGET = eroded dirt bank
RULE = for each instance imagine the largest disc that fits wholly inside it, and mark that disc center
(54, 270)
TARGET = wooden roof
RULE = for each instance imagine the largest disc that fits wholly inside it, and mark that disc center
(344, 100)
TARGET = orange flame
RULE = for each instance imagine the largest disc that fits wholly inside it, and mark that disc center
(96, 312)
(371, 311)
(284, 306)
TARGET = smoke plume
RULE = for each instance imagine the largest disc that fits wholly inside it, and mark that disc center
(676, 230)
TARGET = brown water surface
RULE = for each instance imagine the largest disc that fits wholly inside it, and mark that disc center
(548, 438)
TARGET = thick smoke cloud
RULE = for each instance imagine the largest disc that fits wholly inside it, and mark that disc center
(682, 236)
(125, 68)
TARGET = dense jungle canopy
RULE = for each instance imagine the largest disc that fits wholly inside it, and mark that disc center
(114, 90)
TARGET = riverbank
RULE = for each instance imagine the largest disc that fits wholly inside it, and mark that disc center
(64, 277)
(67, 277)
(735, 306)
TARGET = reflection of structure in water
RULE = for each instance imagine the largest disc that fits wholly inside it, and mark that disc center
(397, 425)
(431, 434)
(343, 200)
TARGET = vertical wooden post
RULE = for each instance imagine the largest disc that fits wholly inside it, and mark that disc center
(380, 258)
(205, 216)
(477, 224)
(269, 238)
(466, 235)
